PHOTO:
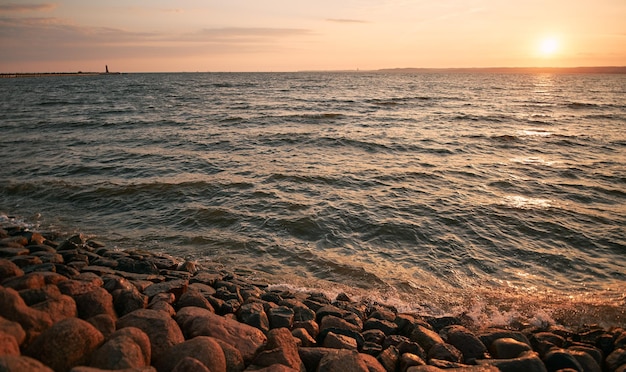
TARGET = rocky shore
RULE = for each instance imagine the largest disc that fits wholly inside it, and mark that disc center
(76, 305)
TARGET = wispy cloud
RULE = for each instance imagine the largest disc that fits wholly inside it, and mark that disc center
(21, 8)
(343, 20)
(234, 34)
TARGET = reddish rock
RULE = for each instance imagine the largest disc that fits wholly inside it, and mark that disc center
(425, 337)
(159, 326)
(66, 344)
(103, 323)
(58, 308)
(126, 348)
(195, 321)
(73, 287)
(162, 306)
(389, 358)
(507, 348)
(128, 300)
(28, 281)
(276, 368)
(194, 298)
(338, 341)
(465, 341)
(204, 349)
(13, 329)
(14, 363)
(331, 321)
(8, 270)
(188, 364)
(310, 326)
(342, 360)
(305, 338)
(98, 301)
(13, 307)
(37, 295)
(94, 369)
(8, 344)
(526, 362)
(445, 352)
(282, 349)
(234, 360)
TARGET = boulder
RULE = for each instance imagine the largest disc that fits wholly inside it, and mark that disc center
(526, 362)
(465, 341)
(28, 281)
(234, 360)
(161, 329)
(445, 352)
(305, 338)
(253, 314)
(9, 270)
(176, 287)
(280, 317)
(338, 341)
(126, 301)
(95, 302)
(58, 308)
(189, 364)
(13, 308)
(331, 321)
(342, 360)
(282, 349)
(202, 348)
(66, 344)
(8, 344)
(194, 298)
(388, 328)
(16, 363)
(195, 321)
(389, 358)
(126, 348)
(425, 337)
(507, 348)
(103, 323)
(616, 359)
(13, 329)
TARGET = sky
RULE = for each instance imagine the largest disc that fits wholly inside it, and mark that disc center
(294, 35)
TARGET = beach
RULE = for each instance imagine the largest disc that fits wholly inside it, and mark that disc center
(76, 305)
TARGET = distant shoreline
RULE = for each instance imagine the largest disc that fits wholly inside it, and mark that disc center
(502, 70)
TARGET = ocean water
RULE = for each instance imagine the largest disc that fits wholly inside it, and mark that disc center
(499, 195)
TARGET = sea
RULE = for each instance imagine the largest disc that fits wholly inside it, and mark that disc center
(498, 196)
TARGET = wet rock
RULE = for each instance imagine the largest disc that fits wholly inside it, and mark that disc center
(339, 341)
(327, 310)
(300, 311)
(282, 349)
(8, 252)
(98, 301)
(342, 360)
(594, 352)
(202, 348)
(28, 281)
(15, 363)
(126, 348)
(586, 361)
(410, 360)
(507, 348)
(333, 322)
(310, 326)
(26, 260)
(161, 329)
(425, 337)
(374, 335)
(195, 321)
(560, 359)
(8, 270)
(490, 335)
(66, 344)
(139, 266)
(465, 341)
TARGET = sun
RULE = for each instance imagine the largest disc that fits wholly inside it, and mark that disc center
(548, 46)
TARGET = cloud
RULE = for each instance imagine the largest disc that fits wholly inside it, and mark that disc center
(20, 8)
(342, 20)
(243, 34)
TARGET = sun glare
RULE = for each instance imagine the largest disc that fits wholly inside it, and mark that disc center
(548, 47)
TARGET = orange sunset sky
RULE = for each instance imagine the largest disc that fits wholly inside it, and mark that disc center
(288, 35)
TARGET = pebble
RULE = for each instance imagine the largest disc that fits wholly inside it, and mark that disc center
(78, 306)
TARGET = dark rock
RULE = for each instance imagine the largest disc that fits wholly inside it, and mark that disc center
(58, 308)
(253, 314)
(560, 359)
(126, 348)
(234, 360)
(177, 287)
(425, 337)
(282, 349)
(508, 348)
(410, 360)
(194, 298)
(26, 260)
(374, 335)
(389, 328)
(271, 297)
(127, 301)
(203, 348)
(446, 352)
(206, 278)
(93, 303)
(280, 317)
(594, 352)
(616, 359)
(411, 347)
(66, 344)
(136, 266)
(195, 321)
(371, 348)
(28, 281)
(37, 295)
(162, 330)
(103, 323)
(189, 364)
(489, 336)
(465, 341)
(327, 310)
(373, 365)
(74, 288)
(586, 361)
(333, 322)
(346, 332)
(14, 363)
(310, 326)
(383, 314)
(8, 252)
(206, 290)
